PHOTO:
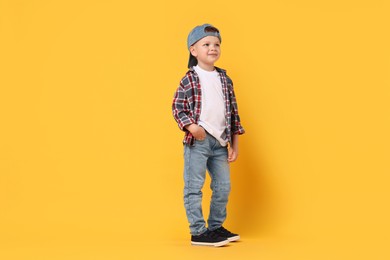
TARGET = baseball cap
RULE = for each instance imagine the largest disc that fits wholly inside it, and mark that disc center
(198, 33)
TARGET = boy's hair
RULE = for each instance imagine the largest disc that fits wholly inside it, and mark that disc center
(198, 33)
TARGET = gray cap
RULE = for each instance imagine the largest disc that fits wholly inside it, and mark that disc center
(200, 32)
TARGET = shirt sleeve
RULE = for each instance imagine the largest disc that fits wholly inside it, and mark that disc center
(237, 128)
(181, 109)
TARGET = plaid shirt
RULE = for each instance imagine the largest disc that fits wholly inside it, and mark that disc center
(187, 103)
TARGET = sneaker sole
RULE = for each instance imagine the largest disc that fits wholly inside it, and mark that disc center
(222, 243)
(235, 238)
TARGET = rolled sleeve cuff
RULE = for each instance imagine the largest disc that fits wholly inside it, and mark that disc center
(185, 122)
(239, 130)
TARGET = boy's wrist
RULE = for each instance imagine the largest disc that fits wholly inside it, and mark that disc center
(190, 127)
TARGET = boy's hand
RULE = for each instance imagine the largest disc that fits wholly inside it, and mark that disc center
(232, 154)
(233, 149)
(197, 131)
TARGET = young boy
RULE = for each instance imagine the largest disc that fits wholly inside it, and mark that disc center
(205, 108)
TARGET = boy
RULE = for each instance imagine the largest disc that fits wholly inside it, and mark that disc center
(205, 108)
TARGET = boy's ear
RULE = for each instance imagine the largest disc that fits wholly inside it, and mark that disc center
(193, 51)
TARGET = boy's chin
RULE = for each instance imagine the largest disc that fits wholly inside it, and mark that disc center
(212, 61)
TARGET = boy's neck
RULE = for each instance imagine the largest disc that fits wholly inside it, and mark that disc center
(207, 67)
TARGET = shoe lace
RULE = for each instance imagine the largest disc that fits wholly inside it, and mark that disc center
(224, 230)
(213, 234)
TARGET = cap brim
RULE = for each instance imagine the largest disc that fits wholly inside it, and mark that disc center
(192, 61)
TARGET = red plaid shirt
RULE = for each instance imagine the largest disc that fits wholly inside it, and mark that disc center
(187, 103)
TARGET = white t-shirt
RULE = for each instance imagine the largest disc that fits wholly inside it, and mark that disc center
(212, 116)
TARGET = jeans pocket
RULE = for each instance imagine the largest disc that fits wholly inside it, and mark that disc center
(197, 141)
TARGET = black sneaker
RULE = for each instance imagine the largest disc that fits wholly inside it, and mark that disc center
(223, 232)
(209, 238)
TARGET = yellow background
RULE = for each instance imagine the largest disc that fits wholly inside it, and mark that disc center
(91, 158)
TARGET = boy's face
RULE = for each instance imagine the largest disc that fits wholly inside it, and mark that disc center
(207, 51)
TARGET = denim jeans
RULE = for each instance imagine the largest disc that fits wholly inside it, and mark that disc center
(209, 155)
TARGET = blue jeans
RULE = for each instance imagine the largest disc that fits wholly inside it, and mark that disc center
(209, 155)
